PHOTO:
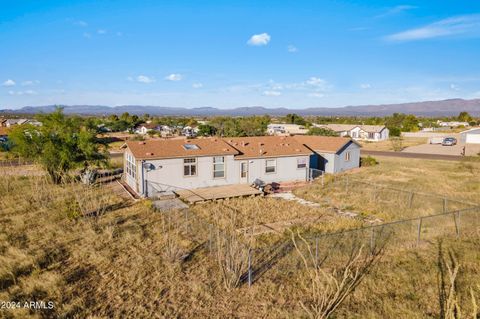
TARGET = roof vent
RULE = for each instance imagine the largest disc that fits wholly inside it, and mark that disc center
(141, 142)
(149, 154)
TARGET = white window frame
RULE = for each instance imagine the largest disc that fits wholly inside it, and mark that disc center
(187, 162)
(131, 166)
(301, 165)
(274, 166)
(348, 156)
(242, 171)
(221, 162)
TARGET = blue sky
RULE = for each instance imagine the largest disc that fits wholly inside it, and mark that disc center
(226, 54)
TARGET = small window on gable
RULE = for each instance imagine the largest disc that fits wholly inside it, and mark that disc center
(189, 147)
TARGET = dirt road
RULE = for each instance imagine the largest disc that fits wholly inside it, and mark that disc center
(414, 155)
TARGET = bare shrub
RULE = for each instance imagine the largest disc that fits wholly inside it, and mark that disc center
(329, 287)
(231, 254)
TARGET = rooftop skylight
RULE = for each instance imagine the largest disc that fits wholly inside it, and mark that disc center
(189, 147)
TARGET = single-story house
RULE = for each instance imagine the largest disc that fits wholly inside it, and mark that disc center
(331, 154)
(286, 129)
(372, 133)
(189, 131)
(452, 124)
(154, 165)
(471, 136)
(144, 128)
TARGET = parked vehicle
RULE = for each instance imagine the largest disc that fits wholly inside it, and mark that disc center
(449, 141)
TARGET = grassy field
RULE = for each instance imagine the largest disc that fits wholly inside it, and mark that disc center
(389, 146)
(118, 263)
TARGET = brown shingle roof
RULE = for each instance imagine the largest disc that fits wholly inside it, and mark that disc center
(156, 149)
(327, 144)
(267, 146)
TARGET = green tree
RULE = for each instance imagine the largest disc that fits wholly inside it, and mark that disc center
(320, 131)
(206, 130)
(59, 145)
(295, 119)
(465, 117)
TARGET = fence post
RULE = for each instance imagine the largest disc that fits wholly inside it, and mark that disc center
(456, 219)
(372, 241)
(249, 267)
(419, 230)
(410, 200)
(210, 239)
(444, 204)
(323, 174)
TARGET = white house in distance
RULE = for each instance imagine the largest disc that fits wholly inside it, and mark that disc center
(195, 163)
(452, 124)
(471, 136)
(372, 133)
(144, 128)
(286, 129)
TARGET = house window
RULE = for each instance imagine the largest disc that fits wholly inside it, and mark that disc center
(270, 166)
(131, 167)
(189, 166)
(301, 162)
(371, 135)
(347, 156)
(218, 167)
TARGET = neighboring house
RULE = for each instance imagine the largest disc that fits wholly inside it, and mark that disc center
(452, 124)
(471, 136)
(373, 133)
(154, 165)
(144, 128)
(13, 122)
(189, 131)
(286, 129)
(332, 154)
(166, 131)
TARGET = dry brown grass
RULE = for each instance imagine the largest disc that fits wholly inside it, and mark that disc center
(389, 146)
(114, 265)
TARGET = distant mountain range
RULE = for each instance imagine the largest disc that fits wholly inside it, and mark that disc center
(429, 108)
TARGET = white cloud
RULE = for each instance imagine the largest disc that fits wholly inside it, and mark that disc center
(292, 49)
(9, 82)
(365, 86)
(144, 79)
(87, 35)
(271, 93)
(318, 84)
(80, 23)
(101, 31)
(459, 25)
(454, 87)
(259, 39)
(316, 94)
(174, 77)
(197, 85)
(27, 92)
(30, 83)
(397, 10)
